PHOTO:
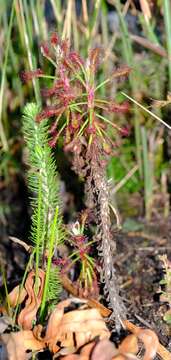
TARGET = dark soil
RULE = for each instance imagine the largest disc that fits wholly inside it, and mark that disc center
(140, 271)
(14, 221)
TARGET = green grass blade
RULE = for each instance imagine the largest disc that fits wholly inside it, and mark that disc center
(167, 20)
(27, 36)
(2, 88)
(148, 175)
(129, 58)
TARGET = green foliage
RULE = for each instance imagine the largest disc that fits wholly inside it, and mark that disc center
(119, 167)
(50, 287)
(4, 279)
(167, 318)
(54, 287)
(47, 231)
(4, 211)
(132, 225)
(43, 181)
(166, 281)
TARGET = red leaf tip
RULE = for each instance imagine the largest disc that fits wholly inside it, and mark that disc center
(29, 75)
(54, 39)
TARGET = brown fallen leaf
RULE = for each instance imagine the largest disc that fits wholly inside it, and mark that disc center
(161, 350)
(129, 345)
(28, 314)
(125, 356)
(54, 323)
(104, 350)
(104, 311)
(67, 284)
(71, 357)
(87, 349)
(17, 296)
(91, 318)
(17, 344)
(84, 353)
(151, 342)
(37, 332)
(3, 310)
(75, 328)
(5, 321)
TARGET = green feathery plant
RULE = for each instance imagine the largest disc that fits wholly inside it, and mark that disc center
(47, 231)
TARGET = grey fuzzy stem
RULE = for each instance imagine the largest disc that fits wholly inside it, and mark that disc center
(111, 288)
(89, 165)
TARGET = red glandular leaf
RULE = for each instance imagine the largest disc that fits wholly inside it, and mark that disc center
(48, 92)
(53, 127)
(94, 59)
(68, 65)
(62, 71)
(121, 71)
(125, 131)
(75, 121)
(66, 97)
(90, 91)
(53, 141)
(62, 262)
(54, 90)
(117, 108)
(29, 75)
(75, 59)
(91, 129)
(54, 39)
(49, 111)
(45, 49)
(64, 45)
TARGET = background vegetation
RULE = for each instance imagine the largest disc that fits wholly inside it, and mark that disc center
(135, 33)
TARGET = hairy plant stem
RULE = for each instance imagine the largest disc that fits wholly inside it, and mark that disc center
(109, 272)
(49, 262)
(101, 199)
(38, 233)
(87, 162)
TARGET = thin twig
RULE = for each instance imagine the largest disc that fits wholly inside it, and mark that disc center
(124, 180)
(149, 45)
(22, 243)
(146, 110)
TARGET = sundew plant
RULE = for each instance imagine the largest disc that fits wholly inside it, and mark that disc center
(74, 112)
